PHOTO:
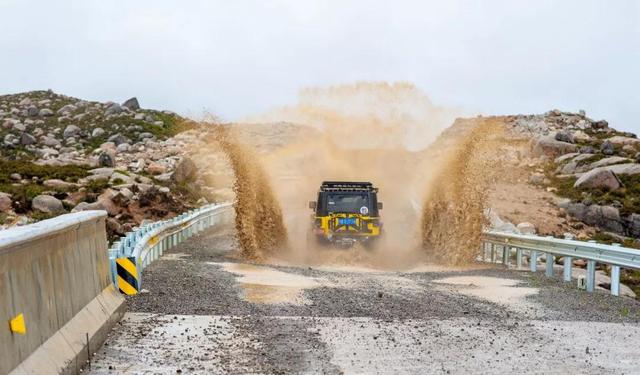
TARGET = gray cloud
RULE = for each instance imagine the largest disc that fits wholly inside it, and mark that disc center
(235, 58)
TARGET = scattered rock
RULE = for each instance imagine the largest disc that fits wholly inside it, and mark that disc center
(607, 148)
(118, 139)
(97, 132)
(132, 104)
(156, 168)
(113, 110)
(185, 171)
(537, 179)
(526, 228)
(45, 112)
(551, 147)
(5, 202)
(47, 204)
(587, 150)
(602, 124)
(564, 136)
(67, 109)
(598, 179)
(71, 131)
(27, 139)
(107, 159)
(32, 111)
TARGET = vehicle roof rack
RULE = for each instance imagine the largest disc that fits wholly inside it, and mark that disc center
(347, 186)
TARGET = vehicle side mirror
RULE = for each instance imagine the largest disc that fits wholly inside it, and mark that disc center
(312, 205)
(379, 205)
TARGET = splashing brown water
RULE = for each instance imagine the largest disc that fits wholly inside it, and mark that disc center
(259, 224)
(365, 132)
(453, 214)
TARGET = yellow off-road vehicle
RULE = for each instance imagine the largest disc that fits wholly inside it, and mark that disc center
(346, 213)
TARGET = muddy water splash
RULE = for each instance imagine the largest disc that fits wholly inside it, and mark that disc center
(453, 214)
(258, 221)
(361, 132)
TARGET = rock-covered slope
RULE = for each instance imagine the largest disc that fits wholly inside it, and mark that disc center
(60, 154)
(593, 167)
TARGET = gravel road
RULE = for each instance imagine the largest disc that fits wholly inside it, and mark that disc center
(206, 311)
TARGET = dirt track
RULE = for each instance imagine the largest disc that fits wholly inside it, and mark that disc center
(206, 312)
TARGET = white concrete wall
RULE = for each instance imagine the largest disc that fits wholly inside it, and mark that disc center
(55, 272)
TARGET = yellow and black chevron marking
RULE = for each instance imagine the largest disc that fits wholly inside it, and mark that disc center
(127, 275)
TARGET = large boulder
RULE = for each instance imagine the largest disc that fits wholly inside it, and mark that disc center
(550, 147)
(622, 141)
(598, 178)
(132, 104)
(185, 171)
(627, 168)
(47, 204)
(609, 161)
(606, 217)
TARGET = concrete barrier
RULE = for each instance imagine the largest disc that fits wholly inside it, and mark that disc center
(56, 274)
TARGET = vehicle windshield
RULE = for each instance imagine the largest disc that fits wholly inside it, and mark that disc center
(348, 202)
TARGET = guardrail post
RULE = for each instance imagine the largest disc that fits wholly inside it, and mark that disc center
(615, 280)
(615, 276)
(591, 275)
(549, 265)
(506, 254)
(567, 268)
(518, 257)
(493, 253)
(533, 260)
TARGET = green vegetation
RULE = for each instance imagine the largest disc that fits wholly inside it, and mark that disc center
(97, 186)
(628, 196)
(28, 170)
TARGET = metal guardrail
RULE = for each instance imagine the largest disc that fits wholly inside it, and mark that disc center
(614, 255)
(148, 243)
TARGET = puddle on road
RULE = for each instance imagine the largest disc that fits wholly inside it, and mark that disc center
(267, 285)
(494, 289)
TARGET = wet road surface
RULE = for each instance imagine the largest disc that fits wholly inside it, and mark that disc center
(205, 311)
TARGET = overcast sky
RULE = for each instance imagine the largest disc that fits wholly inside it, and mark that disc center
(236, 58)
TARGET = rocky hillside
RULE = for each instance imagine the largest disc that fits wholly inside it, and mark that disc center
(62, 154)
(591, 166)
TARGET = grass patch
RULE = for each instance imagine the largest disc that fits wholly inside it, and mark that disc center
(29, 170)
(628, 196)
(97, 186)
